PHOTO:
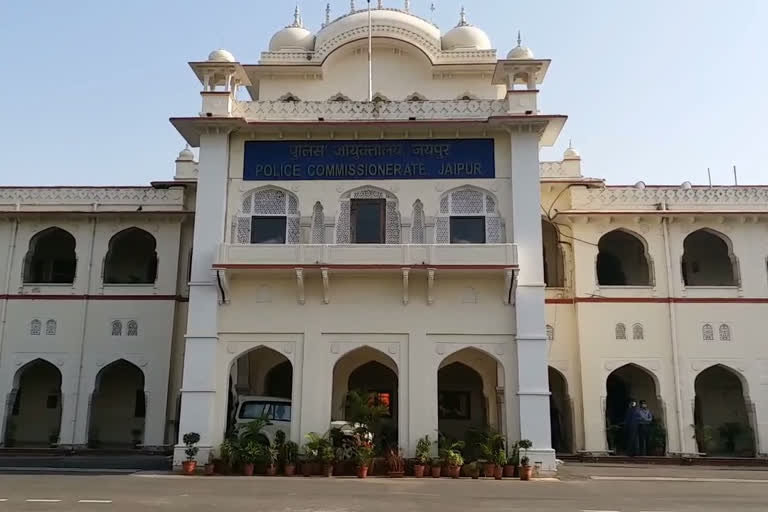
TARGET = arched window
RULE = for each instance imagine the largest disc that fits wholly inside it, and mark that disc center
(708, 260)
(468, 216)
(50, 328)
(318, 224)
(51, 258)
(725, 332)
(637, 332)
(418, 229)
(550, 333)
(117, 328)
(553, 255)
(35, 327)
(368, 215)
(132, 328)
(131, 258)
(267, 216)
(621, 331)
(708, 333)
(622, 260)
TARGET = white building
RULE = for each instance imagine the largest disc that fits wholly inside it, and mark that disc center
(392, 245)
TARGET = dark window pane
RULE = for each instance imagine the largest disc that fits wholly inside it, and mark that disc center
(268, 230)
(367, 221)
(140, 407)
(52, 402)
(17, 404)
(467, 230)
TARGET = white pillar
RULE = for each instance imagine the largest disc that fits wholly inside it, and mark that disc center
(531, 339)
(198, 393)
(422, 395)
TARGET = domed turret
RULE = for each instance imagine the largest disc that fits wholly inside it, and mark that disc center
(465, 37)
(520, 52)
(185, 155)
(221, 55)
(571, 153)
(293, 37)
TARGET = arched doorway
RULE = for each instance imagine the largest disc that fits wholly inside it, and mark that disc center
(51, 258)
(261, 385)
(560, 414)
(367, 372)
(721, 415)
(131, 258)
(34, 418)
(708, 260)
(631, 382)
(118, 407)
(467, 398)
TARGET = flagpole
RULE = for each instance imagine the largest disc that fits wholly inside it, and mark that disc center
(370, 54)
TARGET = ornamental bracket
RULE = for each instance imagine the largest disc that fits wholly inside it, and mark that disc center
(405, 271)
(300, 286)
(326, 295)
(430, 286)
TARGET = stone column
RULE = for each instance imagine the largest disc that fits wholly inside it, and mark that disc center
(422, 396)
(531, 339)
(198, 392)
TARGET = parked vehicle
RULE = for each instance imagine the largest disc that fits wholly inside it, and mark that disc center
(277, 411)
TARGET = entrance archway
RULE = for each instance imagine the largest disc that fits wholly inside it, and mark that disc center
(467, 398)
(560, 413)
(118, 407)
(34, 418)
(261, 385)
(368, 371)
(721, 415)
(622, 385)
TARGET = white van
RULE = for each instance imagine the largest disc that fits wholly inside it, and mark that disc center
(276, 410)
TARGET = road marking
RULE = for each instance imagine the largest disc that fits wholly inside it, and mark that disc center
(42, 501)
(3, 500)
(678, 479)
(95, 501)
(599, 510)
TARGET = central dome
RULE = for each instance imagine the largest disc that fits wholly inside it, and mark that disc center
(293, 37)
(465, 37)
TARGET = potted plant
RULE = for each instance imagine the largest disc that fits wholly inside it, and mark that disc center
(190, 439)
(395, 463)
(327, 457)
(209, 467)
(436, 467)
(526, 470)
(451, 454)
(312, 460)
(490, 445)
(657, 439)
(513, 459)
(363, 459)
(423, 447)
(472, 470)
(289, 456)
(522, 446)
(499, 460)
(136, 438)
(249, 454)
(271, 455)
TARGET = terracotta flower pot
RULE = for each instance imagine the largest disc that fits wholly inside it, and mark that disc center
(436, 471)
(271, 470)
(290, 469)
(209, 469)
(248, 469)
(189, 467)
(498, 472)
(509, 471)
(327, 470)
(362, 472)
(453, 471)
(395, 474)
(526, 472)
(219, 467)
(418, 471)
(489, 469)
(306, 469)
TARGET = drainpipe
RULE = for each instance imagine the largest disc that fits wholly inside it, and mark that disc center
(83, 327)
(673, 330)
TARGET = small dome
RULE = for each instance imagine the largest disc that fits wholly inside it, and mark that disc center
(686, 185)
(186, 155)
(465, 37)
(221, 55)
(571, 154)
(640, 185)
(293, 37)
(520, 52)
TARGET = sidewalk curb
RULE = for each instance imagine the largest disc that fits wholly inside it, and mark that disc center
(677, 479)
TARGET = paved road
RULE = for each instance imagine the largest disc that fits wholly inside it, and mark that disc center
(725, 491)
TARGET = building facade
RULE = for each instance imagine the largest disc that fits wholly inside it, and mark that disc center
(413, 246)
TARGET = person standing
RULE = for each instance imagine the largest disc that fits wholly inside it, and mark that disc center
(644, 420)
(630, 428)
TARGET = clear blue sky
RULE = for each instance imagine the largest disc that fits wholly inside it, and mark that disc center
(657, 90)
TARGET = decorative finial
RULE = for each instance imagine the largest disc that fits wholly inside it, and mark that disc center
(407, 5)
(297, 21)
(351, 5)
(463, 17)
(327, 14)
(570, 143)
(519, 39)
(432, 10)
(381, 4)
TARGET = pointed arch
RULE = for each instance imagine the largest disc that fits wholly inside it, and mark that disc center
(317, 230)
(418, 223)
(468, 214)
(554, 271)
(560, 411)
(33, 416)
(289, 98)
(708, 259)
(131, 258)
(346, 228)
(118, 406)
(51, 258)
(623, 259)
(380, 98)
(267, 215)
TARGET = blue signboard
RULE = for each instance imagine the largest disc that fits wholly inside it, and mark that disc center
(369, 160)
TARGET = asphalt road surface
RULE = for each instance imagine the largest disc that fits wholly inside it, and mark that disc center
(583, 488)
